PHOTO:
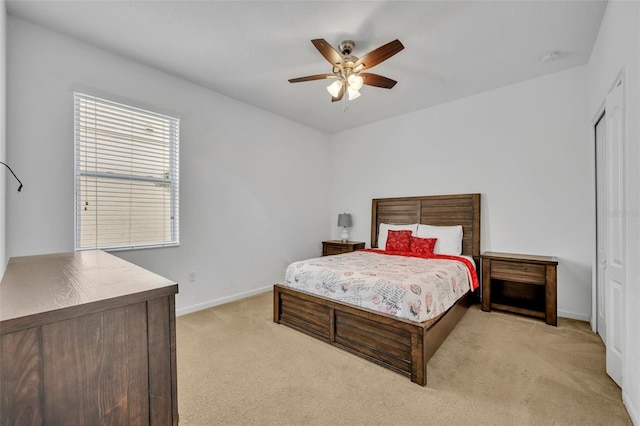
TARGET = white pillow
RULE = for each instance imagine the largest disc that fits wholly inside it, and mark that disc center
(449, 238)
(385, 227)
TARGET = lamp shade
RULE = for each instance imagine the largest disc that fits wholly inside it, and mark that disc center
(353, 94)
(344, 219)
(334, 88)
(355, 82)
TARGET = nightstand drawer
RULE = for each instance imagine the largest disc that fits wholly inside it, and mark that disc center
(530, 273)
(331, 250)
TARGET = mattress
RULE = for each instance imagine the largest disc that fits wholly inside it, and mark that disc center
(409, 287)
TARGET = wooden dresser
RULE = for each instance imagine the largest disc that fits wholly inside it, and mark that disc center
(86, 339)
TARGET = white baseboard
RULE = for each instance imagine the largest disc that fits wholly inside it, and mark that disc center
(221, 301)
(573, 315)
(631, 409)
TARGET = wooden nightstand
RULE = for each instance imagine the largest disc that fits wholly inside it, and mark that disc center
(338, 247)
(523, 284)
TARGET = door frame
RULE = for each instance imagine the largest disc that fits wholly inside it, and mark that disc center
(600, 116)
(594, 270)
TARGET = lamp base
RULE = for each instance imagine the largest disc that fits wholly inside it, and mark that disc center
(345, 235)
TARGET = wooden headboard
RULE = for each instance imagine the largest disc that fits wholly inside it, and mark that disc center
(438, 210)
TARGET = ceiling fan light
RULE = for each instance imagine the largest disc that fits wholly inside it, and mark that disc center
(353, 94)
(334, 88)
(355, 82)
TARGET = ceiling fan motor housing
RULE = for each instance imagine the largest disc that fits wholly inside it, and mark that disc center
(346, 47)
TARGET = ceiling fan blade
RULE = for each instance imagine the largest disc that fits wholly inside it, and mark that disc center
(340, 94)
(377, 80)
(328, 52)
(312, 77)
(378, 55)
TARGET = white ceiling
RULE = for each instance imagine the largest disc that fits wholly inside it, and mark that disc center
(248, 50)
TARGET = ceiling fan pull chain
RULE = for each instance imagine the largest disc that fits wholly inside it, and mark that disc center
(345, 105)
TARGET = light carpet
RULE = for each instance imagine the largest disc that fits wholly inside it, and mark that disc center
(237, 367)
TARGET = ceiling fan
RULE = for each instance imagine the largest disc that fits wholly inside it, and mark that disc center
(347, 69)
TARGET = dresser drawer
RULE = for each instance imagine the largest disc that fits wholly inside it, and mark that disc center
(531, 273)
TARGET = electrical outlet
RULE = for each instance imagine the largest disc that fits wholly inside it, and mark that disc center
(192, 277)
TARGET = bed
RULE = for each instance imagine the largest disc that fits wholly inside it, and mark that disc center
(400, 344)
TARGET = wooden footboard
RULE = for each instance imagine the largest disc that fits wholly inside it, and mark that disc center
(401, 345)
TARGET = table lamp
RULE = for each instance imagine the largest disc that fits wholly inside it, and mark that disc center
(344, 220)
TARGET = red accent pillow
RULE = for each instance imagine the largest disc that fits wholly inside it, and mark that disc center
(398, 240)
(422, 245)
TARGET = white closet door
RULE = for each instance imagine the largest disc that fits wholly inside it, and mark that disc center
(615, 243)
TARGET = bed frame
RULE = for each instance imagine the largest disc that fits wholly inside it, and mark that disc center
(395, 343)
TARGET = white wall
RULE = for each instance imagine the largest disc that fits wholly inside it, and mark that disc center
(522, 147)
(252, 184)
(618, 48)
(3, 144)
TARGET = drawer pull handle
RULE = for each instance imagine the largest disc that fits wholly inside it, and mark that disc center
(519, 268)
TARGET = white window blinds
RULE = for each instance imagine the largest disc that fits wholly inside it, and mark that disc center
(126, 182)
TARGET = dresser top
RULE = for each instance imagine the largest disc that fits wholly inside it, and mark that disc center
(520, 257)
(89, 280)
(342, 242)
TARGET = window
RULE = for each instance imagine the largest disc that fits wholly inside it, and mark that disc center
(126, 182)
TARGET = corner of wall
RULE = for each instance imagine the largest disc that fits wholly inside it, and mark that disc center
(3, 126)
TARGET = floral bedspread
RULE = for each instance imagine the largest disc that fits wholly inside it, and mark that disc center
(414, 288)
